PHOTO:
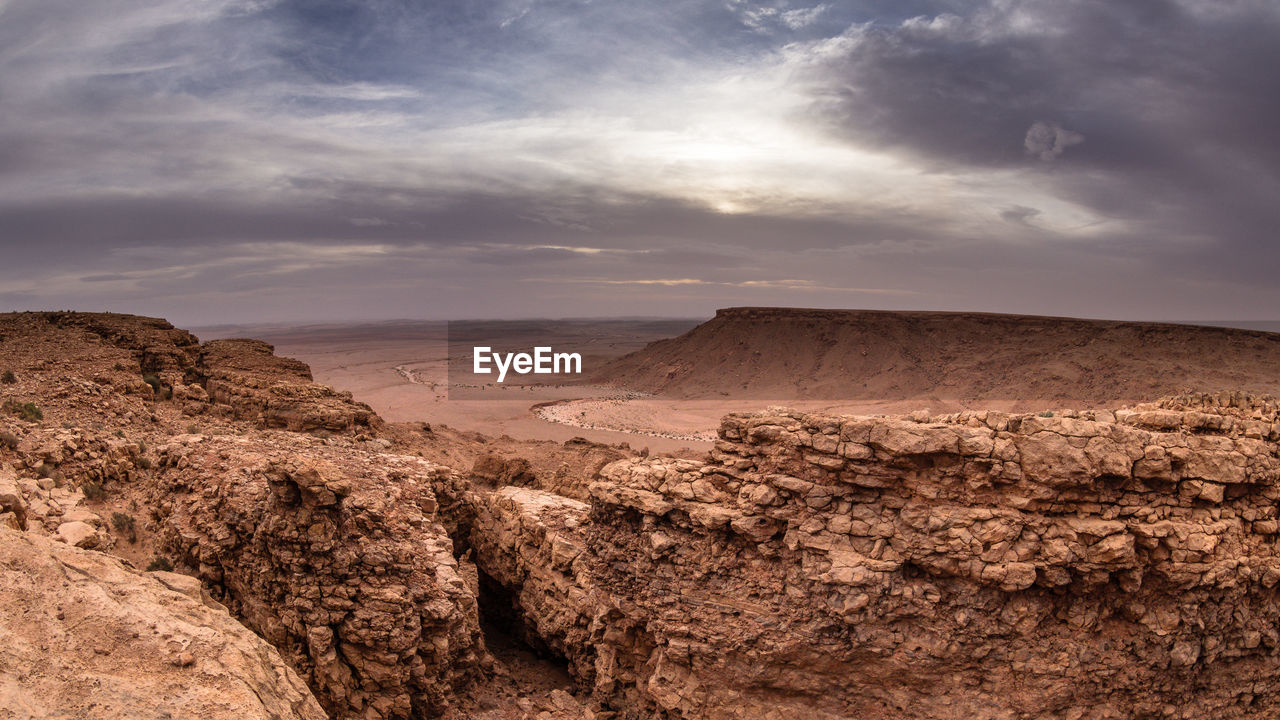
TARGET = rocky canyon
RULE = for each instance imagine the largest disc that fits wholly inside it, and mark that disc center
(201, 530)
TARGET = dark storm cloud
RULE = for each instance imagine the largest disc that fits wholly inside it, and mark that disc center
(1161, 114)
(1150, 79)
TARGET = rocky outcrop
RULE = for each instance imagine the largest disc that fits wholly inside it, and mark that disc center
(1085, 565)
(86, 636)
(63, 462)
(248, 377)
(535, 547)
(324, 543)
(566, 469)
(335, 557)
(101, 365)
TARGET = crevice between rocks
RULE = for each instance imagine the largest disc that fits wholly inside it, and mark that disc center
(512, 639)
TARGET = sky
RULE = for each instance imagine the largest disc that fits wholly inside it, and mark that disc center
(220, 161)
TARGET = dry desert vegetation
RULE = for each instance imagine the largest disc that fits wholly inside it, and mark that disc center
(954, 516)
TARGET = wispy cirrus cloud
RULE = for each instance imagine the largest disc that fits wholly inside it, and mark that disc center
(783, 284)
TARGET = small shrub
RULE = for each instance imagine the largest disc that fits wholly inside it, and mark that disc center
(142, 446)
(93, 491)
(144, 463)
(50, 472)
(119, 366)
(8, 378)
(119, 433)
(8, 440)
(27, 411)
(161, 390)
(193, 429)
(159, 563)
(125, 525)
(1046, 413)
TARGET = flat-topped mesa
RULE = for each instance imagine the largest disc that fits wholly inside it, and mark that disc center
(954, 360)
(1078, 564)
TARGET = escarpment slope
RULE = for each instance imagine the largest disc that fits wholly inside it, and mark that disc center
(967, 359)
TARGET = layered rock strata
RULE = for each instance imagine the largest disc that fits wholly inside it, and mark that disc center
(248, 377)
(324, 543)
(97, 364)
(336, 558)
(1080, 565)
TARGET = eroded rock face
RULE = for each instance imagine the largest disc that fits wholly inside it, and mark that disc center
(78, 366)
(324, 543)
(975, 565)
(537, 544)
(279, 392)
(1087, 565)
(336, 558)
(13, 503)
(86, 636)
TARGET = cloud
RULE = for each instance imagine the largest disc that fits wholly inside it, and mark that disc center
(803, 17)
(1019, 214)
(781, 284)
(1049, 140)
(774, 151)
(1175, 167)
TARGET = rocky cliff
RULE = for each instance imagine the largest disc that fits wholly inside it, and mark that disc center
(125, 431)
(334, 556)
(1099, 564)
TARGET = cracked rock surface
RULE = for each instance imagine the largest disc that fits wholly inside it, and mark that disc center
(1097, 564)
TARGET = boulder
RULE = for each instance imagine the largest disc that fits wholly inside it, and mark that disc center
(85, 636)
(79, 534)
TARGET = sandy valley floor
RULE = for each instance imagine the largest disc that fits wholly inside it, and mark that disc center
(400, 370)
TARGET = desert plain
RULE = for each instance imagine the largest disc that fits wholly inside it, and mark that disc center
(665, 383)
